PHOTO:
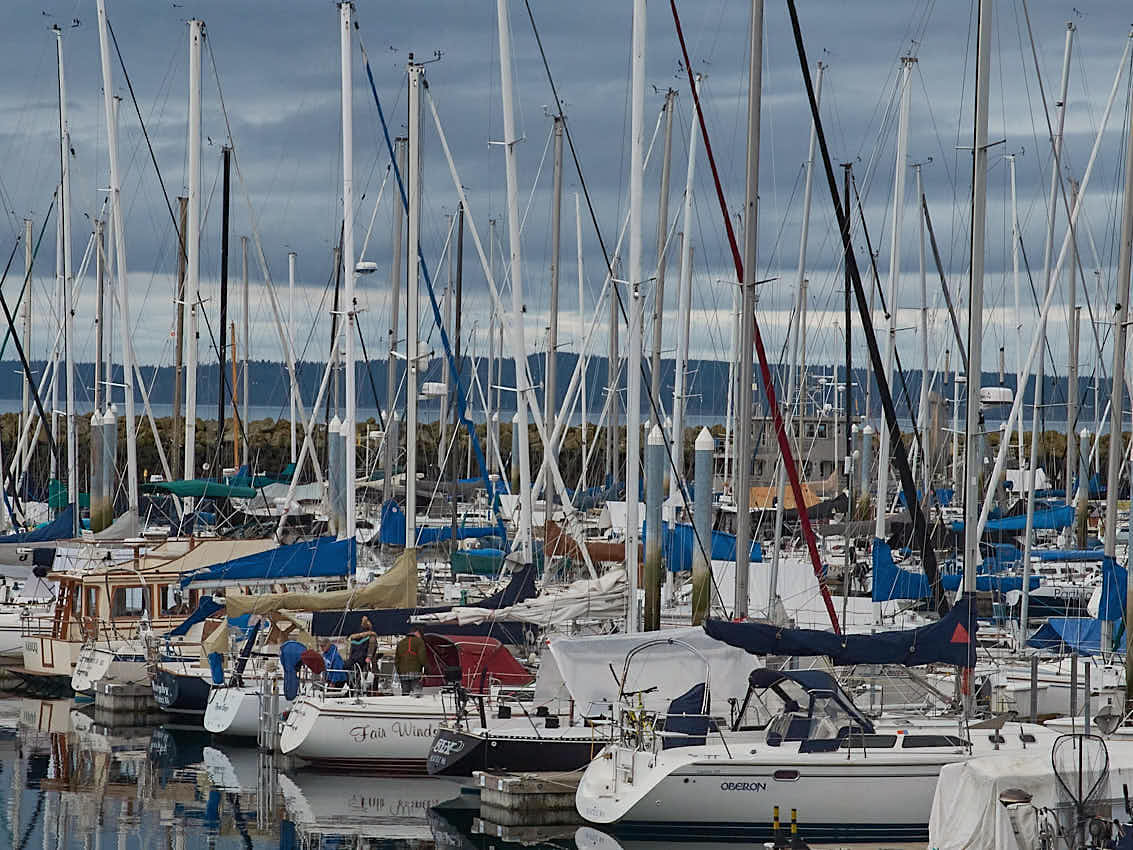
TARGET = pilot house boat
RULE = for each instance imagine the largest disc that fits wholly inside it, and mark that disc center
(111, 600)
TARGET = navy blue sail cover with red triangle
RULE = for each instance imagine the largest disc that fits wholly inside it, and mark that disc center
(950, 640)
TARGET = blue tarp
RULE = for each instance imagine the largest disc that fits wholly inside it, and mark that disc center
(679, 545)
(997, 584)
(63, 526)
(324, 557)
(1058, 517)
(205, 609)
(1072, 555)
(1081, 635)
(1002, 555)
(951, 640)
(1114, 578)
(392, 532)
(892, 582)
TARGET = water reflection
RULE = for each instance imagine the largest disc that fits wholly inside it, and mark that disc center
(68, 783)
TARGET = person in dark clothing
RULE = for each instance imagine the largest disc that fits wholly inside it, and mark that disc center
(409, 660)
(362, 646)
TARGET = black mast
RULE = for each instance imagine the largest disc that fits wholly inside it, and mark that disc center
(900, 455)
(846, 167)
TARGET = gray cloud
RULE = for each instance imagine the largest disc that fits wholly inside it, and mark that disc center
(278, 69)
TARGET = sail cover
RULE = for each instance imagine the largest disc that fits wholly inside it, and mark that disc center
(951, 640)
(603, 598)
(63, 526)
(199, 488)
(324, 557)
(396, 588)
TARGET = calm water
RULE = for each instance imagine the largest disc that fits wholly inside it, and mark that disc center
(67, 783)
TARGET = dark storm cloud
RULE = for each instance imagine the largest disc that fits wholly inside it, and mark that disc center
(278, 67)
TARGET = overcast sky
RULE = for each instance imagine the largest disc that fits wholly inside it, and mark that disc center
(277, 67)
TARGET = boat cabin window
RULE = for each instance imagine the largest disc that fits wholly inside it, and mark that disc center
(933, 741)
(174, 600)
(869, 742)
(91, 602)
(76, 602)
(128, 602)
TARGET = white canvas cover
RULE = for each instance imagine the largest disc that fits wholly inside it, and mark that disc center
(967, 814)
(675, 664)
(799, 592)
(122, 528)
(603, 598)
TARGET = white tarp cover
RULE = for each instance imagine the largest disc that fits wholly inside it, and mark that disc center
(798, 589)
(123, 527)
(602, 598)
(672, 667)
(967, 814)
(265, 502)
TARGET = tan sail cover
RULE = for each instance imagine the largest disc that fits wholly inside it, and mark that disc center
(396, 588)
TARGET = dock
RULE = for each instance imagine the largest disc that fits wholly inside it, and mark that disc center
(522, 800)
(121, 704)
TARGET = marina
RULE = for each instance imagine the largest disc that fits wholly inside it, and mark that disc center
(438, 471)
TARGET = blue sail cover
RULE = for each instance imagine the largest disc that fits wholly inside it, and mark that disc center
(1072, 555)
(951, 640)
(392, 532)
(679, 545)
(324, 557)
(1058, 517)
(1063, 635)
(996, 584)
(396, 621)
(205, 609)
(60, 528)
(1114, 578)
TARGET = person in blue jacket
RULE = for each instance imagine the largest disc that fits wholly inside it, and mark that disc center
(335, 666)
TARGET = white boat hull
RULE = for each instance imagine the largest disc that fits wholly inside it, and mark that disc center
(235, 711)
(383, 733)
(725, 792)
(119, 662)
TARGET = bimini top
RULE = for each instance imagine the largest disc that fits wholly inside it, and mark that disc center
(817, 682)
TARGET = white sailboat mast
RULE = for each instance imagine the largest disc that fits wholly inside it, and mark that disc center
(519, 347)
(746, 332)
(68, 276)
(973, 461)
(633, 350)
(193, 251)
(120, 255)
(411, 302)
(901, 167)
(349, 428)
(684, 310)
